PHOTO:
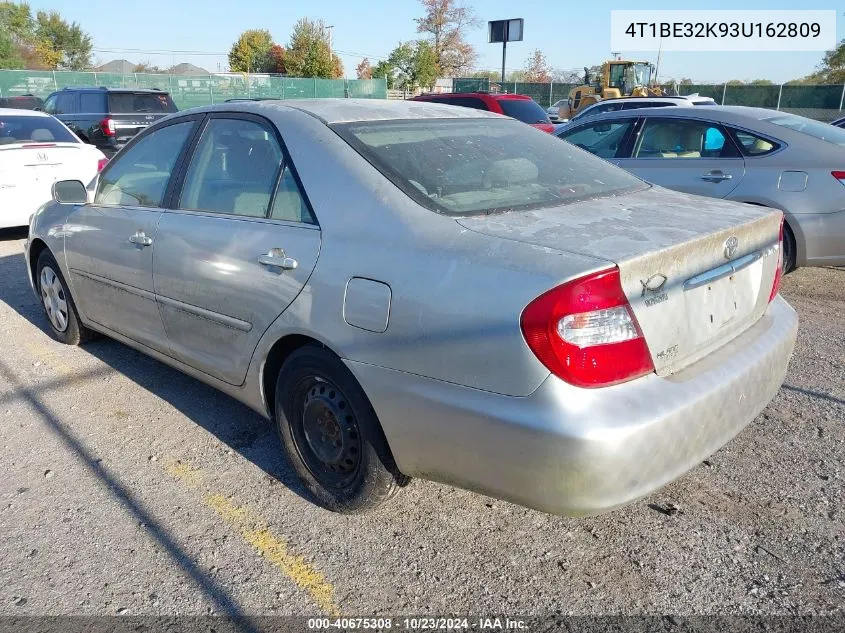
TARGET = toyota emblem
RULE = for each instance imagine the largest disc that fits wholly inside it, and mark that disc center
(731, 244)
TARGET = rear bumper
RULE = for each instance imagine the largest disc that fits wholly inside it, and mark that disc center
(573, 451)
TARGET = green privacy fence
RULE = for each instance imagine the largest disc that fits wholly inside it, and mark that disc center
(824, 103)
(189, 91)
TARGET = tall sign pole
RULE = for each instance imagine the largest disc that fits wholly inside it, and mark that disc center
(505, 31)
(504, 52)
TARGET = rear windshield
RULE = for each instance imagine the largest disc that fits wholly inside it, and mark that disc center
(33, 129)
(525, 110)
(482, 166)
(131, 102)
(816, 129)
(23, 103)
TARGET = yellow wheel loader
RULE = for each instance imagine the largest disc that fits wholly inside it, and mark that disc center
(619, 78)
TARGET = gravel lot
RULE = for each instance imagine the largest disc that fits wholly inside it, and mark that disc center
(128, 488)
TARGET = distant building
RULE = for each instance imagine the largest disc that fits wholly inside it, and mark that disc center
(125, 67)
(188, 69)
(119, 66)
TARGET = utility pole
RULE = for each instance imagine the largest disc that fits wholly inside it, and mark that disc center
(331, 50)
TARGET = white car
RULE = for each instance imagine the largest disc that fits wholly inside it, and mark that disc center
(37, 150)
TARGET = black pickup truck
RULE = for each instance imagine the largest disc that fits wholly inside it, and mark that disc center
(108, 117)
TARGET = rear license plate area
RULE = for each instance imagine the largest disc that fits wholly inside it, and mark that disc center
(716, 309)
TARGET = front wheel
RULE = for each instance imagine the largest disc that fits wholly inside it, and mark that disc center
(58, 305)
(331, 434)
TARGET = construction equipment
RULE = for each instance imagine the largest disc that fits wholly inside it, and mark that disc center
(618, 78)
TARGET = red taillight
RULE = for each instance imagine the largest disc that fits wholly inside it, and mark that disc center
(585, 333)
(839, 175)
(779, 271)
(102, 163)
(107, 126)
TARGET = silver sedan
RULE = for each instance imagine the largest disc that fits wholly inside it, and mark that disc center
(419, 290)
(752, 155)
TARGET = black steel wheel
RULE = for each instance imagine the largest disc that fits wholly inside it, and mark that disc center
(331, 434)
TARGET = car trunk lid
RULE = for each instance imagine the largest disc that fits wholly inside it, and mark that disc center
(696, 271)
(32, 167)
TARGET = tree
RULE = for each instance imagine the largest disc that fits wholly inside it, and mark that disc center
(10, 56)
(364, 70)
(735, 82)
(413, 65)
(337, 67)
(385, 70)
(62, 44)
(147, 67)
(308, 53)
(277, 60)
(685, 81)
(537, 69)
(831, 70)
(492, 75)
(761, 82)
(446, 22)
(251, 52)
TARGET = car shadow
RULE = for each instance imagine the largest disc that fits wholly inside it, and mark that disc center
(234, 424)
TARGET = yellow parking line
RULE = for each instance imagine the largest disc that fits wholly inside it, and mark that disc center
(255, 531)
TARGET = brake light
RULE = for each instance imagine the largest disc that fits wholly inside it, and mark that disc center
(102, 163)
(107, 126)
(839, 175)
(585, 333)
(779, 271)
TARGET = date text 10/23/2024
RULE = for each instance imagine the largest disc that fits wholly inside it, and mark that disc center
(420, 624)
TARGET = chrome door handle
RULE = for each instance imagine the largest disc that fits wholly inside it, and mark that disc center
(716, 176)
(277, 259)
(140, 239)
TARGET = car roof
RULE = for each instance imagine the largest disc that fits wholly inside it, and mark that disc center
(19, 112)
(490, 95)
(333, 111)
(155, 91)
(665, 98)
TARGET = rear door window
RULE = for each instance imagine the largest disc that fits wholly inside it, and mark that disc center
(234, 170)
(604, 138)
(92, 102)
(144, 102)
(525, 110)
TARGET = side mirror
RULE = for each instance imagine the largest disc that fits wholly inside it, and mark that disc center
(70, 192)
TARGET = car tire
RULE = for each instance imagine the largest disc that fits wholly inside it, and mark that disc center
(58, 304)
(789, 250)
(331, 435)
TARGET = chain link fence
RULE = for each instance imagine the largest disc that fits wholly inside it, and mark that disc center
(189, 91)
(823, 103)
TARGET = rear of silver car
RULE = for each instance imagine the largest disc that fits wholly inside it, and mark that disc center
(608, 426)
(667, 342)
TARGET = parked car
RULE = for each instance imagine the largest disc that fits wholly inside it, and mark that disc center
(839, 122)
(455, 306)
(520, 107)
(22, 102)
(36, 150)
(108, 117)
(637, 103)
(751, 155)
(554, 110)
